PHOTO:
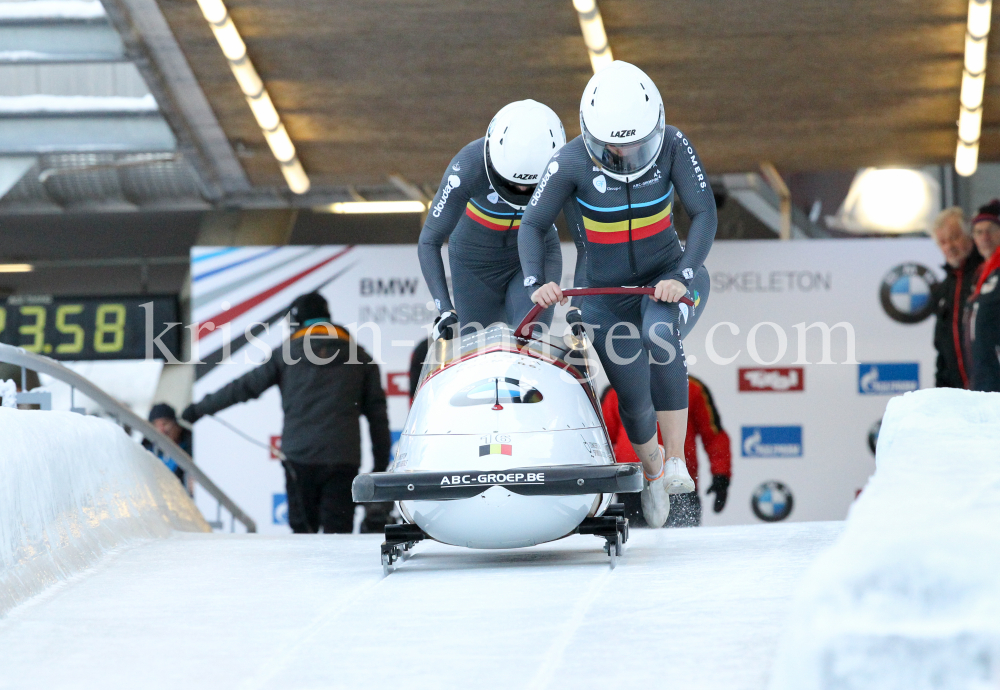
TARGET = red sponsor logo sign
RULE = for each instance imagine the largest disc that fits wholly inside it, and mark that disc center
(780, 379)
(398, 383)
(275, 444)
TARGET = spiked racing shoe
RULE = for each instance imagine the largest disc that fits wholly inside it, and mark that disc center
(655, 499)
(677, 479)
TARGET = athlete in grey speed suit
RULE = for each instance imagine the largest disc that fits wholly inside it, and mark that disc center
(481, 230)
(630, 241)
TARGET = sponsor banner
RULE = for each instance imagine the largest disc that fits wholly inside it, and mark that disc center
(772, 441)
(888, 378)
(848, 315)
(780, 380)
(279, 510)
(764, 306)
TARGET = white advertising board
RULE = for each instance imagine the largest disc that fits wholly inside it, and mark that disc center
(799, 427)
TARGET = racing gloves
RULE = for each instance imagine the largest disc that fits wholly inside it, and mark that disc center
(191, 414)
(446, 327)
(720, 487)
(574, 317)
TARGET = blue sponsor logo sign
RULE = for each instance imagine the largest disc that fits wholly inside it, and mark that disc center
(772, 442)
(888, 378)
(279, 509)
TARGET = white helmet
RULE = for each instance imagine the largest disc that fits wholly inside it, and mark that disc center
(621, 118)
(519, 142)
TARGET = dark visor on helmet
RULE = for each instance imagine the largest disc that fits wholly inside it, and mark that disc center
(516, 195)
(625, 159)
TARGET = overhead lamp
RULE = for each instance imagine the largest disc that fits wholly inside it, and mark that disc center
(16, 268)
(594, 36)
(972, 90)
(970, 114)
(253, 89)
(889, 200)
(966, 158)
(409, 206)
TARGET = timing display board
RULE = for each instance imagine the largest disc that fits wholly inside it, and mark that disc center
(88, 328)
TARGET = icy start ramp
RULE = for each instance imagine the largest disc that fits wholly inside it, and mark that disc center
(72, 489)
(688, 608)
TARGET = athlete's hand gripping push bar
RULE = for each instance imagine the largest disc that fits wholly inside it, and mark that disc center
(524, 329)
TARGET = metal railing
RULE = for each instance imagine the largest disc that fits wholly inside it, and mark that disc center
(45, 365)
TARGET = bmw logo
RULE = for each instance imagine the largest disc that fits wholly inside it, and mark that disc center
(873, 436)
(772, 502)
(906, 293)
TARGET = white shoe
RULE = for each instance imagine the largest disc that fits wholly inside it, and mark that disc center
(677, 479)
(655, 500)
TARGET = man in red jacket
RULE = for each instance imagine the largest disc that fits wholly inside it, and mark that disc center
(703, 420)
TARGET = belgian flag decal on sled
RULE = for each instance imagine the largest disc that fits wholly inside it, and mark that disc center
(496, 449)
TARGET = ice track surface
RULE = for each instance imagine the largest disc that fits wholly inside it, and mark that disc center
(690, 608)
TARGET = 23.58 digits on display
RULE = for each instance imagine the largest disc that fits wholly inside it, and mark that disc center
(86, 328)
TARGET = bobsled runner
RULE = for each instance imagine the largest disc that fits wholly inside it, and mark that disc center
(505, 445)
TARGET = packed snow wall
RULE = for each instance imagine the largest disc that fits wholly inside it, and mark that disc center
(73, 488)
(909, 596)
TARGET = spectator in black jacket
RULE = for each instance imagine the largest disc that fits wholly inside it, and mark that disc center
(327, 382)
(984, 303)
(954, 239)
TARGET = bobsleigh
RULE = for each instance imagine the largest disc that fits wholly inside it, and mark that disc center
(505, 446)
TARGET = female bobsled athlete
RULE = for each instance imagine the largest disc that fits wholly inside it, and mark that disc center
(623, 171)
(478, 209)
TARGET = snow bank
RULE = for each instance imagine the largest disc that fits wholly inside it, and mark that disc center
(71, 489)
(909, 596)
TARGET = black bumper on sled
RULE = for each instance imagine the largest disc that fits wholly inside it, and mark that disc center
(553, 480)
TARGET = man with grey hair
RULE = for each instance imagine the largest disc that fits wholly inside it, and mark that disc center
(951, 233)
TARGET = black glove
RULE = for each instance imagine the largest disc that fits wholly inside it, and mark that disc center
(720, 487)
(191, 414)
(574, 317)
(446, 326)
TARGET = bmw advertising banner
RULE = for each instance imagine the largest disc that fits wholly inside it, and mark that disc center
(801, 345)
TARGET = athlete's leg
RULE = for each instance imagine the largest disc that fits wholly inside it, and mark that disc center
(669, 385)
(698, 292)
(617, 340)
(475, 301)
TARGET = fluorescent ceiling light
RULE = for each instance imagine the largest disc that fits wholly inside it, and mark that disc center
(258, 99)
(247, 77)
(972, 90)
(979, 17)
(375, 207)
(594, 36)
(295, 176)
(966, 158)
(970, 114)
(16, 268)
(975, 55)
(969, 124)
(281, 144)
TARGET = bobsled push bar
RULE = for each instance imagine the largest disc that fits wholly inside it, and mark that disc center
(524, 328)
(551, 480)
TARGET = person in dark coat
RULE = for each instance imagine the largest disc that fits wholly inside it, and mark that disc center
(953, 238)
(984, 303)
(327, 382)
(164, 418)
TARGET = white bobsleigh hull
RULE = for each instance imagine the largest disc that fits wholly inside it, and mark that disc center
(496, 411)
